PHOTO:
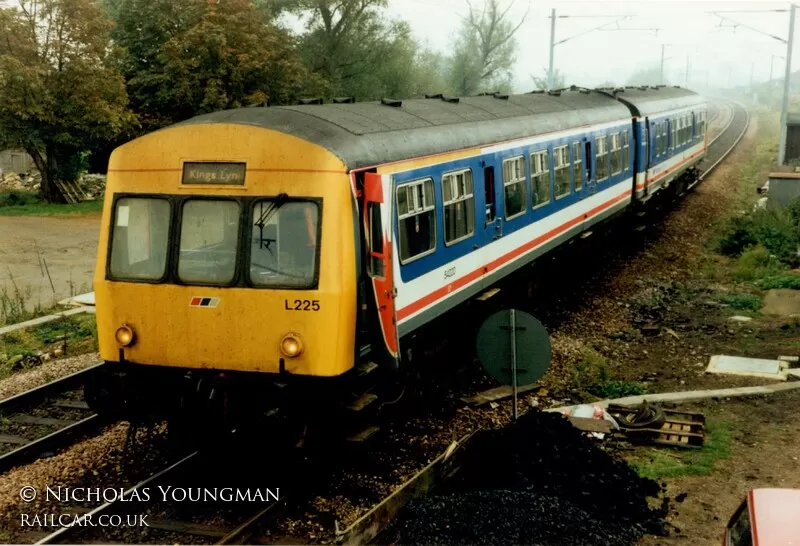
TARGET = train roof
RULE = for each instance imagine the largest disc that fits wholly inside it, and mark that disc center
(374, 133)
(367, 134)
(650, 101)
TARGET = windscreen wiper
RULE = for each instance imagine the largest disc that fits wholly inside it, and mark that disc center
(265, 217)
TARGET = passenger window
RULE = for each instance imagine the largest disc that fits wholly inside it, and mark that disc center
(488, 194)
(284, 246)
(601, 143)
(626, 152)
(209, 237)
(577, 165)
(416, 216)
(514, 187)
(459, 206)
(139, 239)
(561, 169)
(740, 529)
(616, 154)
(540, 178)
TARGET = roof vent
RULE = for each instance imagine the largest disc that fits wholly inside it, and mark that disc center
(536, 92)
(554, 93)
(585, 91)
(344, 100)
(394, 103)
(451, 100)
(311, 101)
(433, 96)
(501, 96)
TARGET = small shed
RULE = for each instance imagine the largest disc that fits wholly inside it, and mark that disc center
(15, 161)
(784, 183)
(792, 138)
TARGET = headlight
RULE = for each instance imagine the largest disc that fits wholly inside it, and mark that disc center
(125, 335)
(291, 345)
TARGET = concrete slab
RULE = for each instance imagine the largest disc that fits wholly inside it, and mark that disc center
(691, 396)
(782, 302)
(755, 367)
(83, 299)
(46, 319)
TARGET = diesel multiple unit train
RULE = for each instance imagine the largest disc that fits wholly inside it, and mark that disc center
(270, 253)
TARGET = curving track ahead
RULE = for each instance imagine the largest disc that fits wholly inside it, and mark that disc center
(724, 143)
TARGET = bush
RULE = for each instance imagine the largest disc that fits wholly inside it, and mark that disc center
(778, 231)
(757, 262)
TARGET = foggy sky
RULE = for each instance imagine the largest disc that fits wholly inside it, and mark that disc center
(716, 53)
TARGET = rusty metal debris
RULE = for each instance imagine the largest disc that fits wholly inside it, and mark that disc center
(650, 424)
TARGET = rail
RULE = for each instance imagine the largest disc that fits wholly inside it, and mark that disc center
(18, 411)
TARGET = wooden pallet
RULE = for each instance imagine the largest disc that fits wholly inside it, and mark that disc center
(70, 190)
(681, 429)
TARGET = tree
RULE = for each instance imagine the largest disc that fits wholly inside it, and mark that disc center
(189, 57)
(59, 93)
(541, 81)
(485, 50)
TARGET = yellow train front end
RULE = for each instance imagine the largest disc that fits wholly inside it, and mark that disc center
(226, 264)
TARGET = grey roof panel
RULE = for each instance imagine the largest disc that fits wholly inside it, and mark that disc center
(369, 134)
(653, 101)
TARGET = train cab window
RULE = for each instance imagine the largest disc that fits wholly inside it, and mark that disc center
(375, 242)
(616, 154)
(626, 152)
(540, 178)
(284, 243)
(459, 206)
(601, 144)
(139, 239)
(416, 218)
(515, 193)
(577, 165)
(209, 237)
(561, 170)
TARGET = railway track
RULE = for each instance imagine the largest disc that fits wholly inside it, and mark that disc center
(39, 421)
(724, 143)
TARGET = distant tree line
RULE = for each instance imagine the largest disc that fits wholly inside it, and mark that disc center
(80, 76)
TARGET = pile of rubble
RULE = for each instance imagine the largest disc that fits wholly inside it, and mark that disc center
(20, 182)
(92, 186)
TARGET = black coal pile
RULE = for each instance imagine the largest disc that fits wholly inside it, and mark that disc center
(508, 517)
(537, 481)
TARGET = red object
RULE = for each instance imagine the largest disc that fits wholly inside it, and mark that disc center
(774, 518)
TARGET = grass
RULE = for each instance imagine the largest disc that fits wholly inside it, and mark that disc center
(668, 463)
(21, 203)
(591, 376)
(784, 280)
(73, 335)
(741, 302)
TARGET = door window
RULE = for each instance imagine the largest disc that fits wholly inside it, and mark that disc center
(488, 194)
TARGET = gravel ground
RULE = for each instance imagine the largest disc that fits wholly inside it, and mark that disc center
(48, 371)
(96, 462)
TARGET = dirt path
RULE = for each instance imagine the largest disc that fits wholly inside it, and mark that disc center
(67, 245)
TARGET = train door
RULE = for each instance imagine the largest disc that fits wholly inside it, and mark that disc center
(591, 170)
(376, 210)
(493, 200)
